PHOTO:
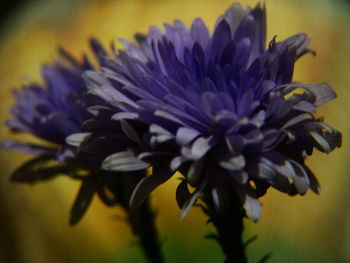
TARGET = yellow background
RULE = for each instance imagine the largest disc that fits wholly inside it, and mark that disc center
(34, 219)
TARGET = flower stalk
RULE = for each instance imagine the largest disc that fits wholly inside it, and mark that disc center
(143, 224)
(229, 226)
(141, 219)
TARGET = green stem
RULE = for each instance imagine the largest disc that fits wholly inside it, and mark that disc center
(229, 226)
(142, 219)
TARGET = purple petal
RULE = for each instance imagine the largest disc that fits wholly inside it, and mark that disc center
(147, 185)
(193, 198)
(182, 194)
(186, 135)
(123, 162)
(34, 149)
(301, 179)
(76, 138)
(83, 200)
(201, 146)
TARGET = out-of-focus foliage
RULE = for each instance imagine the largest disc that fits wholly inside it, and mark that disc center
(34, 219)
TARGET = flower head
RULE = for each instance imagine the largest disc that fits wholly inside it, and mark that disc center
(220, 108)
(52, 112)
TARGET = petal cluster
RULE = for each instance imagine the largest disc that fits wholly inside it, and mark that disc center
(57, 113)
(219, 107)
(55, 109)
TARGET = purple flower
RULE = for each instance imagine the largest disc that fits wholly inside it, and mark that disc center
(52, 112)
(220, 108)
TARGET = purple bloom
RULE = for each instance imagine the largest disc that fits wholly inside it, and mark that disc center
(53, 112)
(220, 108)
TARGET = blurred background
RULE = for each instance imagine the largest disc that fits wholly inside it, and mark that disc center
(34, 218)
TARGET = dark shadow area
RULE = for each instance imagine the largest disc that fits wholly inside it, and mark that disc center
(9, 8)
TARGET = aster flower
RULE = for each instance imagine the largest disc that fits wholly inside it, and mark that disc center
(51, 112)
(55, 110)
(221, 108)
